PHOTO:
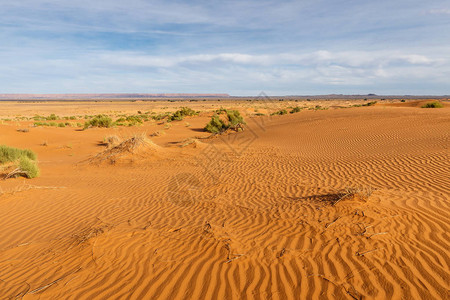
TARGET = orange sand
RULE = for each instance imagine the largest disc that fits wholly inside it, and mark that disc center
(246, 216)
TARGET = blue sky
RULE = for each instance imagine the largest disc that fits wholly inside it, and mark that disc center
(238, 47)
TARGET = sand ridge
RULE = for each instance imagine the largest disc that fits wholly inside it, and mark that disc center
(245, 216)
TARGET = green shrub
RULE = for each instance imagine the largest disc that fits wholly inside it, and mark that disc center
(216, 125)
(434, 104)
(23, 160)
(295, 110)
(221, 110)
(9, 154)
(280, 112)
(29, 167)
(183, 112)
(99, 121)
(318, 107)
(52, 117)
(160, 116)
(234, 121)
(61, 125)
(134, 120)
(370, 103)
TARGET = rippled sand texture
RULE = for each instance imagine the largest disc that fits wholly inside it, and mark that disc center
(247, 216)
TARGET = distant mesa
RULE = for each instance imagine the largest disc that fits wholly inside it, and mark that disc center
(102, 96)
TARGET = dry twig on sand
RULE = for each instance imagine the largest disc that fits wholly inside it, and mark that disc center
(331, 223)
(366, 252)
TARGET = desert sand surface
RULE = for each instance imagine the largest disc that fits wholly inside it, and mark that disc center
(256, 214)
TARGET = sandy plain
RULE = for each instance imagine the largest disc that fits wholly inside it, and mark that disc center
(248, 215)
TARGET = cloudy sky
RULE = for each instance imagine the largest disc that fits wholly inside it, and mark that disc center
(238, 47)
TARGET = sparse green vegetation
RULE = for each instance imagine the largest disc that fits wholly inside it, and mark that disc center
(183, 112)
(280, 112)
(435, 104)
(28, 167)
(99, 121)
(18, 162)
(134, 120)
(372, 103)
(9, 154)
(216, 125)
(318, 107)
(52, 117)
(295, 110)
(233, 120)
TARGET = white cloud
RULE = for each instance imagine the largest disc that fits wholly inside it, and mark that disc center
(440, 11)
(317, 58)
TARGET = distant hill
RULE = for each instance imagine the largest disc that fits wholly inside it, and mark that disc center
(103, 96)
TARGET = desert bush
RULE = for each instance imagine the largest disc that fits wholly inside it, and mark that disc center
(23, 161)
(159, 117)
(9, 154)
(372, 103)
(183, 112)
(99, 121)
(52, 117)
(220, 111)
(39, 118)
(111, 140)
(28, 167)
(235, 119)
(61, 125)
(318, 107)
(280, 112)
(295, 110)
(434, 104)
(134, 120)
(217, 125)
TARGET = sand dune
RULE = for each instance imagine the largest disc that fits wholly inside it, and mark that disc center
(250, 215)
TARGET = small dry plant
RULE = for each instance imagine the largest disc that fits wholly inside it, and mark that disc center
(111, 141)
(127, 146)
(361, 193)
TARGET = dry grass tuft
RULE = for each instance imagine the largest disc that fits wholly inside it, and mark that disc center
(133, 145)
(111, 141)
(358, 193)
